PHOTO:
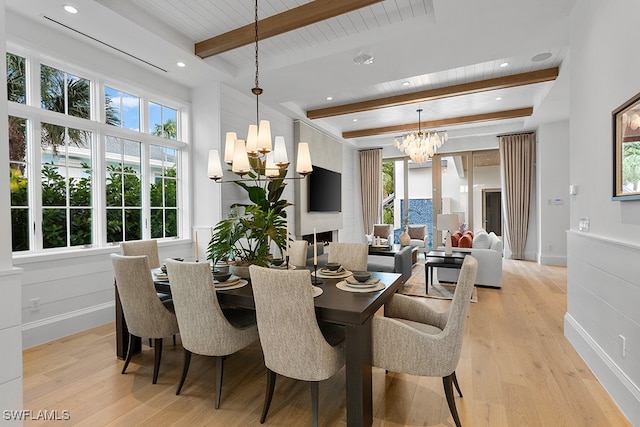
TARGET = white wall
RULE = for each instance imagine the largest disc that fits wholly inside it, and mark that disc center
(10, 322)
(552, 156)
(603, 273)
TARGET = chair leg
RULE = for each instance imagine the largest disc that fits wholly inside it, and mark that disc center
(219, 371)
(271, 384)
(150, 342)
(448, 391)
(157, 343)
(314, 402)
(174, 340)
(129, 353)
(185, 369)
(455, 383)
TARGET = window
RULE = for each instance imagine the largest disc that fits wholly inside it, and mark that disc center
(66, 186)
(163, 195)
(121, 109)
(19, 184)
(16, 79)
(64, 93)
(74, 182)
(163, 121)
(123, 190)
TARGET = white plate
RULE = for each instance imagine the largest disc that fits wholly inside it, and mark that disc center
(353, 282)
(240, 283)
(283, 267)
(317, 291)
(341, 275)
(232, 280)
(342, 285)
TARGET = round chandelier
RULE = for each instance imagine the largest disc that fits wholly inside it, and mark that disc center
(421, 146)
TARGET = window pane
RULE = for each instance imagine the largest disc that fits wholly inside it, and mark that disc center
(112, 108)
(113, 186)
(170, 196)
(16, 83)
(171, 229)
(156, 223)
(133, 222)
(155, 119)
(78, 97)
(114, 225)
(54, 228)
(19, 229)
(122, 109)
(169, 123)
(17, 139)
(81, 227)
(130, 112)
(54, 190)
(163, 163)
(52, 84)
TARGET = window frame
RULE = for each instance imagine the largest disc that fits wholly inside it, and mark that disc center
(32, 112)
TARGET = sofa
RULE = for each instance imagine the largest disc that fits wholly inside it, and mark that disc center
(487, 248)
(399, 263)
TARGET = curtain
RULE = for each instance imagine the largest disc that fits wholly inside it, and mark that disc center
(517, 153)
(371, 187)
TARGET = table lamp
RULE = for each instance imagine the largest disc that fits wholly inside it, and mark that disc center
(447, 222)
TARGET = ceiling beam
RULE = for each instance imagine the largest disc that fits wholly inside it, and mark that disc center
(292, 19)
(476, 118)
(539, 76)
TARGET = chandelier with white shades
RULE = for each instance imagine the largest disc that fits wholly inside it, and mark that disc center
(420, 146)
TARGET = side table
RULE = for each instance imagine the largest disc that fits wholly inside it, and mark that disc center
(440, 259)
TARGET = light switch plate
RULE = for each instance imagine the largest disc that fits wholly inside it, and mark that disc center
(583, 224)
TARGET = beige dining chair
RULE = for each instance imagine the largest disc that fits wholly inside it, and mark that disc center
(352, 256)
(298, 253)
(205, 328)
(293, 343)
(414, 339)
(145, 314)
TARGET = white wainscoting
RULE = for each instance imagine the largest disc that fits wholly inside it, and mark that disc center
(603, 296)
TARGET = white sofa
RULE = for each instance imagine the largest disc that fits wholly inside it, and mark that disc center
(489, 261)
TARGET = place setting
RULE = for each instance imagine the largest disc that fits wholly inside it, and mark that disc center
(360, 281)
(332, 270)
(280, 264)
(223, 280)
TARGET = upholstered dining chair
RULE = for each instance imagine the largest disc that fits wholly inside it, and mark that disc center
(293, 343)
(206, 328)
(416, 340)
(298, 253)
(145, 314)
(352, 256)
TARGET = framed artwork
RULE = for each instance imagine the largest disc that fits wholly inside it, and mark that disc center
(626, 150)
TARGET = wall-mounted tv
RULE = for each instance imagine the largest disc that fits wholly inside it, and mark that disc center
(325, 190)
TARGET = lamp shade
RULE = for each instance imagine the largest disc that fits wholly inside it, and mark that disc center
(264, 137)
(228, 147)
(280, 152)
(270, 168)
(252, 140)
(448, 222)
(303, 164)
(240, 159)
(214, 169)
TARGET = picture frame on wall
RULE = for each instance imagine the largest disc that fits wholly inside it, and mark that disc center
(626, 150)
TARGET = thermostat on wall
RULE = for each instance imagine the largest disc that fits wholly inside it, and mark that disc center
(573, 190)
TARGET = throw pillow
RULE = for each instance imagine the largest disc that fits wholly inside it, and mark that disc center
(381, 230)
(417, 231)
(455, 238)
(481, 240)
(465, 241)
(496, 243)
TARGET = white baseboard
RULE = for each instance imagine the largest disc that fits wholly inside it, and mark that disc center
(51, 328)
(552, 260)
(622, 390)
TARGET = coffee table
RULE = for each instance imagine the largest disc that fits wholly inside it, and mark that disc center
(440, 259)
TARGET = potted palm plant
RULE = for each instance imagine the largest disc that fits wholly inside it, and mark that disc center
(246, 235)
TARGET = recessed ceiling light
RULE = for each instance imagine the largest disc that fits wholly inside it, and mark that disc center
(405, 83)
(70, 9)
(329, 98)
(498, 98)
(355, 120)
(181, 64)
(541, 57)
(504, 64)
(363, 59)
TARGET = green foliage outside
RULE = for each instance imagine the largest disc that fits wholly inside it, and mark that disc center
(168, 129)
(163, 193)
(388, 188)
(631, 164)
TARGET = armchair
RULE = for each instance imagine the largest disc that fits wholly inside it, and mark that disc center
(419, 236)
(384, 231)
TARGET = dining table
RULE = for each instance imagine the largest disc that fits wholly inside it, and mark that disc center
(353, 310)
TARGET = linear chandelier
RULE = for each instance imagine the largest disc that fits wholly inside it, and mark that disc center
(256, 158)
(421, 146)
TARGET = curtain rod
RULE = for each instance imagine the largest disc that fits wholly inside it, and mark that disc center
(515, 134)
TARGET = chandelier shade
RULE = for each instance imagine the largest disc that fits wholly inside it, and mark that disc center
(420, 146)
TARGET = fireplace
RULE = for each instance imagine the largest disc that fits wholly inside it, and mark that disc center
(323, 237)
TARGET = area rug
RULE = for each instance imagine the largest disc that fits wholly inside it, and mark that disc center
(415, 286)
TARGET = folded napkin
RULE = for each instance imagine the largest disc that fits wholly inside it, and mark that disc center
(325, 270)
(352, 281)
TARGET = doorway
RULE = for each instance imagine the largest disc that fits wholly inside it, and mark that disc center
(492, 210)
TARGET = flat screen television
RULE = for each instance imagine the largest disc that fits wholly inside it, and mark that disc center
(325, 190)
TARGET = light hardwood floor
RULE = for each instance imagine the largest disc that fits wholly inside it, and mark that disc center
(516, 369)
